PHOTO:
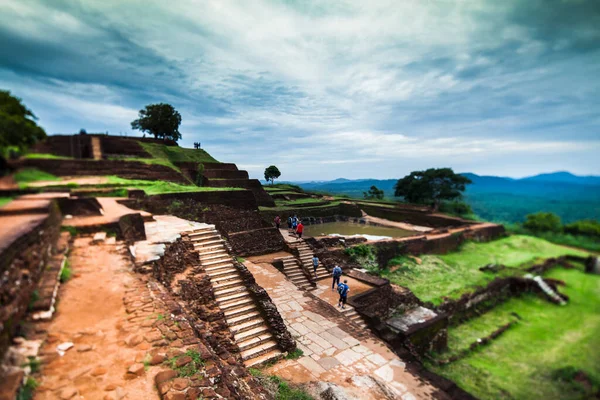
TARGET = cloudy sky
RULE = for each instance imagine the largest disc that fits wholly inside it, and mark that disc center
(324, 89)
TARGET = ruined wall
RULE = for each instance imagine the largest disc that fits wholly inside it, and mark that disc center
(413, 216)
(22, 262)
(76, 146)
(315, 214)
(261, 196)
(123, 169)
(121, 146)
(234, 213)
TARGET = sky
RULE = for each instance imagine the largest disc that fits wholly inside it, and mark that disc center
(323, 89)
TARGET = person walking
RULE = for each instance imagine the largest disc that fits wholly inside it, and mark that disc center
(337, 273)
(289, 222)
(299, 229)
(277, 221)
(343, 290)
(315, 261)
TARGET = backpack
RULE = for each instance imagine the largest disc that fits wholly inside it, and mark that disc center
(342, 289)
(337, 271)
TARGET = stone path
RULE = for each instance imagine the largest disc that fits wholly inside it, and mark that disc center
(335, 349)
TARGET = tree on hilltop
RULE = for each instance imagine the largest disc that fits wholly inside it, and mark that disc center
(272, 173)
(160, 120)
(18, 129)
(431, 186)
(543, 222)
(374, 193)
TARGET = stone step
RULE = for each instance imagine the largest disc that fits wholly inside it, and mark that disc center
(234, 312)
(259, 350)
(251, 333)
(239, 319)
(199, 230)
(202, 233)
(214, 257)
(228, 291)
(264, 358)
(228, 284)
(247, 325)
(225, 301)
(214, 263)
(212, 247)
(234, 304)
(224, 277)
(298, 274)
(255, 341)
(206, 238)
(218, 267)
(222, 272)
(211, 253)
(208, 243)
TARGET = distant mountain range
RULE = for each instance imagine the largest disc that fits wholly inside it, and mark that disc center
(501, 199)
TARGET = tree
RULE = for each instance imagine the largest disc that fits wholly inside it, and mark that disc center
(543, 222)
(160, 120)
(18, 129)
(373, 193)
(431, 186)
(272, 173)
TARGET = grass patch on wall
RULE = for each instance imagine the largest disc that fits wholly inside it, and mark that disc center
(5, 200)
(28, 175)
(456, 273)
(46, 156)
(540, 356)
(161, 187)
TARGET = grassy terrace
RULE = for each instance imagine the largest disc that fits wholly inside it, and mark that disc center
(289, 208)
(451, 275)
(168, 155)
(539, 357)
(28, 175)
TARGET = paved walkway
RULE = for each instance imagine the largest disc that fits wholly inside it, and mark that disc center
(112, 212)
(335, 350)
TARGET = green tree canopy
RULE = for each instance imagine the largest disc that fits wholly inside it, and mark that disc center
(272, 173)
(543, 222)
(18, 128)
(587, 227)
(431, 186)
(374, 193)
(160, 120)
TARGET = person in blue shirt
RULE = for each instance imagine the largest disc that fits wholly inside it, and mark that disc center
(343, 290)
(315, 261)
(337, 274)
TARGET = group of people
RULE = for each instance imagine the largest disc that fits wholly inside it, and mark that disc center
(294, 224)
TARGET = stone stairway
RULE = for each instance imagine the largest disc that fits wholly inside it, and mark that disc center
(350, 313)
(249, 329)
(96, 149)
(294, 272)
(306, 255)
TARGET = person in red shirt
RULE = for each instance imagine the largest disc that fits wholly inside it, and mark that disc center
(299, 229)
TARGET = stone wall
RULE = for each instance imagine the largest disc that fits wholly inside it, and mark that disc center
(413, 216)
(76, 146)
(315, 214)
(262, 197)
(256, 242)
(122, 146)
(22, 262)
(234, 213)
(123, 169)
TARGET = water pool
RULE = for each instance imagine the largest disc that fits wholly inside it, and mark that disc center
(352, 229)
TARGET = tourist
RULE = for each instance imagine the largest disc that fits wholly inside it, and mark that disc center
(315, 263)
(289, 222)
(337, 273)
(294, 223)
(277, 221)
(299, 229)
(343, 290)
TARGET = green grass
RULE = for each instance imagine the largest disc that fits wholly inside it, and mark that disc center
(294, 354)
(279, 388)
(457, 273)
(66, 272)
(584, 242)
(529, 360)
(28, 389)
(46, 156)
(192, 368)
(172, 154)
(305, 209)
(161, 187)
(304, 201)
(28, 175)
(5, 200)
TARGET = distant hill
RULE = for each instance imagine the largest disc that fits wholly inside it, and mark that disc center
(502, 199)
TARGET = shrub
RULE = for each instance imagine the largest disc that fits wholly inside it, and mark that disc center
(66, 272)
(456, 208)
(27, 390)
(294, 354)
(586, 227)
(543, 221)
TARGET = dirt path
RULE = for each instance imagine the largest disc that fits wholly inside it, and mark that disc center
(94, 313)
